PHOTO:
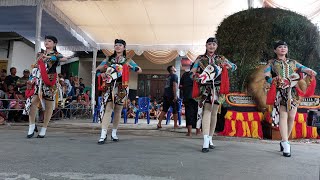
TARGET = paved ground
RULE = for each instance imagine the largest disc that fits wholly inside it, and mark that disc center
(72, 153)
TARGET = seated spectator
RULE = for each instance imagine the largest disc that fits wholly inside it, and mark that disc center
(153, 113)
(87, 97)
(183, 110)
(16, 106)
(159, 112)
(130, 112)
(2, 80)
(77, 93)
(135, 110)
(3, 95)
(80, 99)
(22, 82)
(3, 116)
(18, 102)
(11, 92)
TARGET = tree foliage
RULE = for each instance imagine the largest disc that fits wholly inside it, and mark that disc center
(247, 37)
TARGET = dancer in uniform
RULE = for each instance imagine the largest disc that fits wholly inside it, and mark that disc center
(42, 87)
(282, 73)
(211, 95)
(113, 82)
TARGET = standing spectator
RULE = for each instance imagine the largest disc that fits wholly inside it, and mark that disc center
(68, 84)
(71, 80)
(2, 80)
(82, 86)
(3, 95)
(76, 82)
(191, 106)
(12, 78)
(22, 82)
(3, 72)
(170, 97)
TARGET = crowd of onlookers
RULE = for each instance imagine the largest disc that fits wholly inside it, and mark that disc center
(155, 108)
(12, 97)
(13, 87)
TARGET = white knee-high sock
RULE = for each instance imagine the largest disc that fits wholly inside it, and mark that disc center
(103, 133)
(31, 128)
(114, 133)
(286, 146)
(43, 131)
(210, 140)
(205, 141)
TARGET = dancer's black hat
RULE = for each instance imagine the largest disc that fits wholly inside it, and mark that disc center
(120, 41)
(212, 39)
(54, 39)
(279, 43)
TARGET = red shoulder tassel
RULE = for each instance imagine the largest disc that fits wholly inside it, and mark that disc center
(125, 75)
(299, 92)
(100, 88)
(195, 89)
(29, 92)
(224, 87)
(44, 74)
(311, 88)
(271, 96)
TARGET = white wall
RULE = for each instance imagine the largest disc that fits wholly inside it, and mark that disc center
(22, 57)
(3, 50)
(85, 71)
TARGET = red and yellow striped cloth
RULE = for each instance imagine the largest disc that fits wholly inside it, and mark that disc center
(243, 124)
(300, 128)
(248, 124)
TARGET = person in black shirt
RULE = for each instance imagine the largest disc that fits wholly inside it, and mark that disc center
(82, 86)
(170, 97)
(12, 78)
(191, 106)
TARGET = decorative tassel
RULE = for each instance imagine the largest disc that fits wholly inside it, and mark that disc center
(44, 74)
(219, 108)
(311, 88)
(271, 96)
(227, 127)
(300, 92)
(224, 88)
(29, 92)
(125, 75)
(100, 85)
(239, 129)
(195, 89)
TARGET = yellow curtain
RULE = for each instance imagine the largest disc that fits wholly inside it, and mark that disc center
(311, 8)
(191, 55)
(160, 57)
